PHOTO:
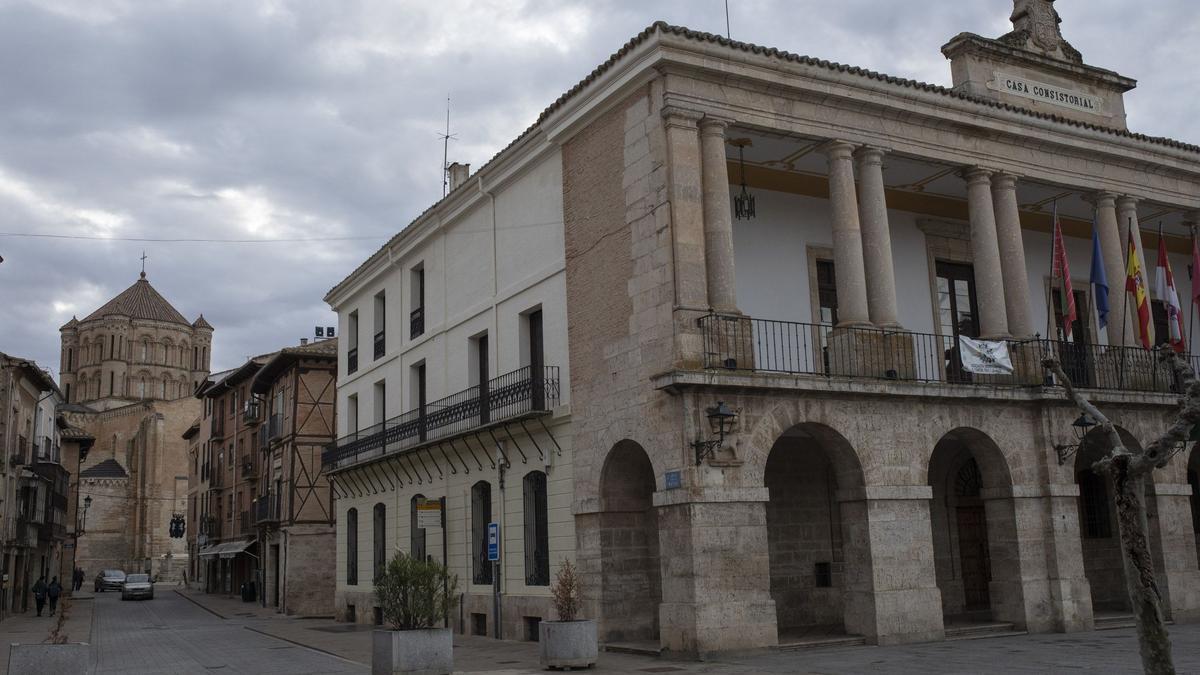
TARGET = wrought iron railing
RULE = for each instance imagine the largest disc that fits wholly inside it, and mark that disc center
(251, 411)
(763, 345)
(379, 345)
(507, 396)
(266, 509)
(416, 323)
(352, 360)
(245, 522)
(249, 468)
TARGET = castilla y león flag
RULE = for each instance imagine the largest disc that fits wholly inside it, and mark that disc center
(1164, 288)
(1135, 284)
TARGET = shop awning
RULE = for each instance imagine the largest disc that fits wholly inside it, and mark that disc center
(211, 549)
(233, 548)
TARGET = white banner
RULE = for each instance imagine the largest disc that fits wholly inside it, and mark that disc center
(984, 357)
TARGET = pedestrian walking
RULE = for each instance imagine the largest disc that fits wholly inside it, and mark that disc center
(77, 579)
(54, 590)
(39, 593)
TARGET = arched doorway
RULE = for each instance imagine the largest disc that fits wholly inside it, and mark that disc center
(1099, 538)
(817, 543)
(976, 559)
(630, 576)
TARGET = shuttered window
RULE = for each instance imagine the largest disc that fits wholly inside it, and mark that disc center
(537, 538)
(481, 515)
(352, 547)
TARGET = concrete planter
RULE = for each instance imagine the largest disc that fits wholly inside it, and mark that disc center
(412, 652)
(44, 659)
(567, 644)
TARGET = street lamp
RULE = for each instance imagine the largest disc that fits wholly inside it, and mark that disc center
(87, 503)
(1080, 427)
(720, 421)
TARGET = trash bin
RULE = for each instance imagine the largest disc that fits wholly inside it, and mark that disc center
(248, 592)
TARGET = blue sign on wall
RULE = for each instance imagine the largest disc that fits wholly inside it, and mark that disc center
(493, 541)
(673, 480)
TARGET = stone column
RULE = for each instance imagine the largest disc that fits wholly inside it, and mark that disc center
(716, 573)
(687, 216)
(989, 278)
(877, 239)
(847, 237)
(1112, 247)
(718, 225)
(892, 596)
(1012, 255)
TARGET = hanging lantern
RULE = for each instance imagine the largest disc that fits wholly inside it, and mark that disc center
(743, 202)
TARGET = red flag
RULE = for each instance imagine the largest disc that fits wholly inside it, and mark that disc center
(1062, 270)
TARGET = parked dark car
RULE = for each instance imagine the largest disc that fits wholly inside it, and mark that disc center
(109, 580)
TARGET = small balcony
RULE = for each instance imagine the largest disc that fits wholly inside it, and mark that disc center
(245, 523)
(742, 344)
(249, 469)
(379, 345)
(518, 394)
(210, 526)
(416, 323)
(352, 360)
(266, 509)
(218, 426)
(251, 411)
(216, 479)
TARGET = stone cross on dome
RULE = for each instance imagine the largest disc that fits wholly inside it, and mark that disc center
(144, 256)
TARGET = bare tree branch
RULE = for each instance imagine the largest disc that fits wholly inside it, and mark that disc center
(1106, 426)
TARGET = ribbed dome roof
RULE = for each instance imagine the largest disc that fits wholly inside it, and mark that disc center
(140, 301)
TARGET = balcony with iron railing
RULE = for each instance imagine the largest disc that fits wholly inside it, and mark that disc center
(379, 345)
(352, 360)
(738, 344)
(249, 468)
(266, 509)
(514, 395)
(251, 411)
(245, 523)
(216, 478)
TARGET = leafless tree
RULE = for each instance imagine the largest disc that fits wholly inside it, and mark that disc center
(1129, 471)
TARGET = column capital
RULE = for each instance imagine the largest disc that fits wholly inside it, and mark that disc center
(1102, 199)
(1004, 180)
(1125, 202)
(713, 125)
(976, 174)
(681, 117)
(870, 154)
(837, 149)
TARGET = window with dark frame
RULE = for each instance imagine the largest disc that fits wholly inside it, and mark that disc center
(379, 541)
(537, 538)
(481, 515)
(827, 301)
(380, 319)
(352, 547)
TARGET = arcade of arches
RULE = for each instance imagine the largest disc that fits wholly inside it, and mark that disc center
(846, 557)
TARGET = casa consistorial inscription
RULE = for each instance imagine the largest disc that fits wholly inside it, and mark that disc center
(1047, 93)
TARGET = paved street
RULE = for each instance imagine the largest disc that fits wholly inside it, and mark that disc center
(170, 634)
(196, 633)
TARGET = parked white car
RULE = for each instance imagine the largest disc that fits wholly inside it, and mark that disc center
(137, 586)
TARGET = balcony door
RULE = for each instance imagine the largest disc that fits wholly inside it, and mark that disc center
(1073, 351)
(957, 313)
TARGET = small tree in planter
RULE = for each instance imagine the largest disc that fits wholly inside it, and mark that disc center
(415, 597)
(569, 642)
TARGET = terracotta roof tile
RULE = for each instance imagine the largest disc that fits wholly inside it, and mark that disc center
(140, 301)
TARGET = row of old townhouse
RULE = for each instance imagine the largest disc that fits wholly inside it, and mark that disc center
(698, 330)
(259, 513)
(40, 456)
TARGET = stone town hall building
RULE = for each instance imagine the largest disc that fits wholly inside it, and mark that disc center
(571, 313)
(128, 372)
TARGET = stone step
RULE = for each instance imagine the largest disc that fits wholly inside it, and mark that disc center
(976, 631)
(1114, 621)
(636, 648)
(819, 642)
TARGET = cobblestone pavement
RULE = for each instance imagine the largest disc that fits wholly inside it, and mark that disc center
(204, 633)
(169, 634)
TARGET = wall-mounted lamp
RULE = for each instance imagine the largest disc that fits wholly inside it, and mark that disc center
(1081, 426)
(720, 420)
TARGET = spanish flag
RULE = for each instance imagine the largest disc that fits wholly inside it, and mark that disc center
(1135, 284)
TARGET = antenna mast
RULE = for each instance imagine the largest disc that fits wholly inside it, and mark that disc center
(728, 34)
(446, 138)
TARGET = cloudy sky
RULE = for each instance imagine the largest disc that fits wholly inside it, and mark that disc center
(272, 119)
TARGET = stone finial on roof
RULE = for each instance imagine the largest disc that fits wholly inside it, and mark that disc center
(202, 323)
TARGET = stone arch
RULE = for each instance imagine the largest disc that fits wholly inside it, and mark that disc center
(977, 558)
(630, 571)
(817, 540)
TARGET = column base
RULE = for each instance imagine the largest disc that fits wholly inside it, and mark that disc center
(728, 341)
(871, 353)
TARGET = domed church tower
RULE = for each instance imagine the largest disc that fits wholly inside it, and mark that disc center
(136, 347)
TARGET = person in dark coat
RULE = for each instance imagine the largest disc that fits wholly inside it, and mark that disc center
(77, 579)
(39, 594)
(54, 590)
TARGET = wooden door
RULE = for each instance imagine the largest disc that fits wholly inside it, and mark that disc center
(973, 556)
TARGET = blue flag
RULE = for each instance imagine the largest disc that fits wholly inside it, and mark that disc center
(1098, 280)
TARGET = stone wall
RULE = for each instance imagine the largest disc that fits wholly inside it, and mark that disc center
(308, 583)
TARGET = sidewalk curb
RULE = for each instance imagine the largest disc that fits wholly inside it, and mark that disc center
(310, 647)
(201, 605)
